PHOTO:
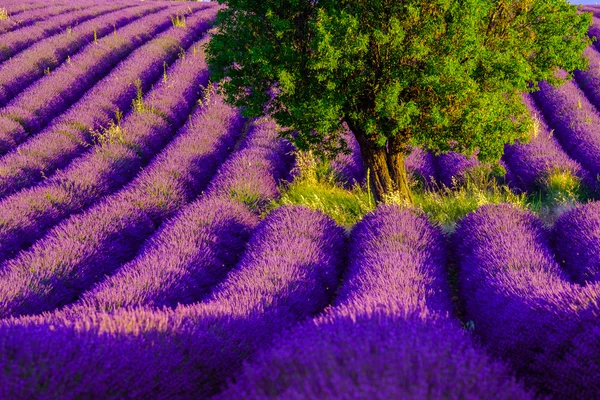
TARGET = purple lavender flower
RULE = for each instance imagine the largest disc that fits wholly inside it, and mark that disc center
(193, 350)
(452, 167)
(349, 168)
(521, 305)
(530, 164)
(575, 122)
(70, 135)
(576, 239)
(387, 335)
(421, 164)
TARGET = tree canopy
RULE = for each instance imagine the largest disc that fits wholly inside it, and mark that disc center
(441, 74)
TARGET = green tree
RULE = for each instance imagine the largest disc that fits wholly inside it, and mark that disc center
(442, 74)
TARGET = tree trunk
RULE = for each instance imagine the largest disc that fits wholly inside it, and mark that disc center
(387, 174)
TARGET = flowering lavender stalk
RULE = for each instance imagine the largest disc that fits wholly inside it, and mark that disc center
(49, 96)
(521, 304)
(576, 238)
(349, 168)
(575, 122)
(120, 154)
(452, 167)
(191, 351)
(387, 335)
(533, 162)
(29, 17)
(421, 164)
(71, 134)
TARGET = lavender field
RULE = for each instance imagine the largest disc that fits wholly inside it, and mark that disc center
(150, 246)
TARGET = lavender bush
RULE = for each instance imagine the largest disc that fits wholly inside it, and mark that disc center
(521, 304)
(72, 133)
(387, 335)
(576, 239)
(84, 248)
(51, 95)
(121, 153)
(191, 351)
(532, 163)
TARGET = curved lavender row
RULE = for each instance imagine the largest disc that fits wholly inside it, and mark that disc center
(16, 7)
(194, 251)
(575, 122)
(22, 70)
(25, 216)
(189, 352)
(397, 263)
(86, 247)
(31, 16)
(253, 174)
(71, 134)
(522, 307)
(421, 164)
(11, 43)
(349, 168)
(589, 79)
(52, 94)
(532, 162)
(191, 253)
(594, 29)
(452, 167)
(576, 238)
(386, 336)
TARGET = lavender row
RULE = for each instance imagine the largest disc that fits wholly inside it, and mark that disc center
(521, 304)
(421, 164)
(123, 149)
(11, 43)
(21, 70)
(30, 17)
(71, 134)
(191, 253)
(253, 174)
(387, 335)
(191, 351)
(576, 242)
(532, 163)
(52, 94)
(16, 7)
(349, 168)
(575, 122)
(88, 246)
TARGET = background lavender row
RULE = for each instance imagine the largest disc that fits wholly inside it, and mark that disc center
(253, 174)
(349, 168)
(15, 7)
(183, 261)
(521, 304)
(13, 42)
(123, 150)
(576, 240)
(72, 133)
(191, 351)
(387, 335)
(21, 70)
(49, 96)
(29, 17)
(531, 164)
(575, 122)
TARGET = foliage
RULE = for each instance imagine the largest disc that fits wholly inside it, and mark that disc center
(439, 73)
